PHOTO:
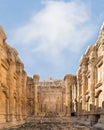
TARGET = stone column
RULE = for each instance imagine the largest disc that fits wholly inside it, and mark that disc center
(24, 90)
(69, 81)
(36, 81)
(83, 92)
(78, 93)
(92, 85)
(92, 68)
(19, 92)
(62, 102)
(84, 68)
(11, 91)
(68, 97)
(92, 94)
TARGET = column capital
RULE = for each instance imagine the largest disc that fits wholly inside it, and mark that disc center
(36, 78)
(70, 78)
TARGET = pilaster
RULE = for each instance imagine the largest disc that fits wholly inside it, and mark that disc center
(36, 81)
(84, 68)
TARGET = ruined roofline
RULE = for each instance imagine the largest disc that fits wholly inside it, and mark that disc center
(101, 33)
(91, 47)
(2, 33)
(7, 46)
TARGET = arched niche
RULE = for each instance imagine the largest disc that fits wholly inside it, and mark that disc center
(87, 103)
(99, 99)
(3, 106)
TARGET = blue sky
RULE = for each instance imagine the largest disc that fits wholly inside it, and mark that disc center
(51, 35)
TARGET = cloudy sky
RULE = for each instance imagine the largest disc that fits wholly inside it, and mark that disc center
(51, 35)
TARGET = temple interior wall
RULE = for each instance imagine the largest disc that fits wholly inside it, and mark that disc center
(81, 94)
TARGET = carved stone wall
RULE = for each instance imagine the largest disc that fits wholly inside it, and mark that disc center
(22, 96)
(52, 96)
(12, 84)
(56, 96)
(90, 81)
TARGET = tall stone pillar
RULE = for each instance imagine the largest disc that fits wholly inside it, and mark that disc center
(11, 91)
(92, 85)
(92, 75)
(36, 81)
(68, 96)
(78, 92)
(84, 68)
(24, 89)
(19, 95)
(69, 81)
(83, 92)
(62, 102)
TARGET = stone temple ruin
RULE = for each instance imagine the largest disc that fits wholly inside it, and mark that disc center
(76, 100)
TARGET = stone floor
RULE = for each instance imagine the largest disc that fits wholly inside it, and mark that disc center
(52, 124)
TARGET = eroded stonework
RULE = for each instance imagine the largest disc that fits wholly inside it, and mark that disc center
(90, 82)
(56, 96)
(12, 85)
(24, 99)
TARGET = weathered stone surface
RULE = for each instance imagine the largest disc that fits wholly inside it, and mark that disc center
(12, 85)
(90, 82)
(23, 98)
(54, 124)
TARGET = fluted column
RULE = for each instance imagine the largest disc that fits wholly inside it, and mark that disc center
(36, 81)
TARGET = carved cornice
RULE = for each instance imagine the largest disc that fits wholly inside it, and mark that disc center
(84, 60)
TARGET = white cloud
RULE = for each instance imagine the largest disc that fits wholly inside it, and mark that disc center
(57, 27)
